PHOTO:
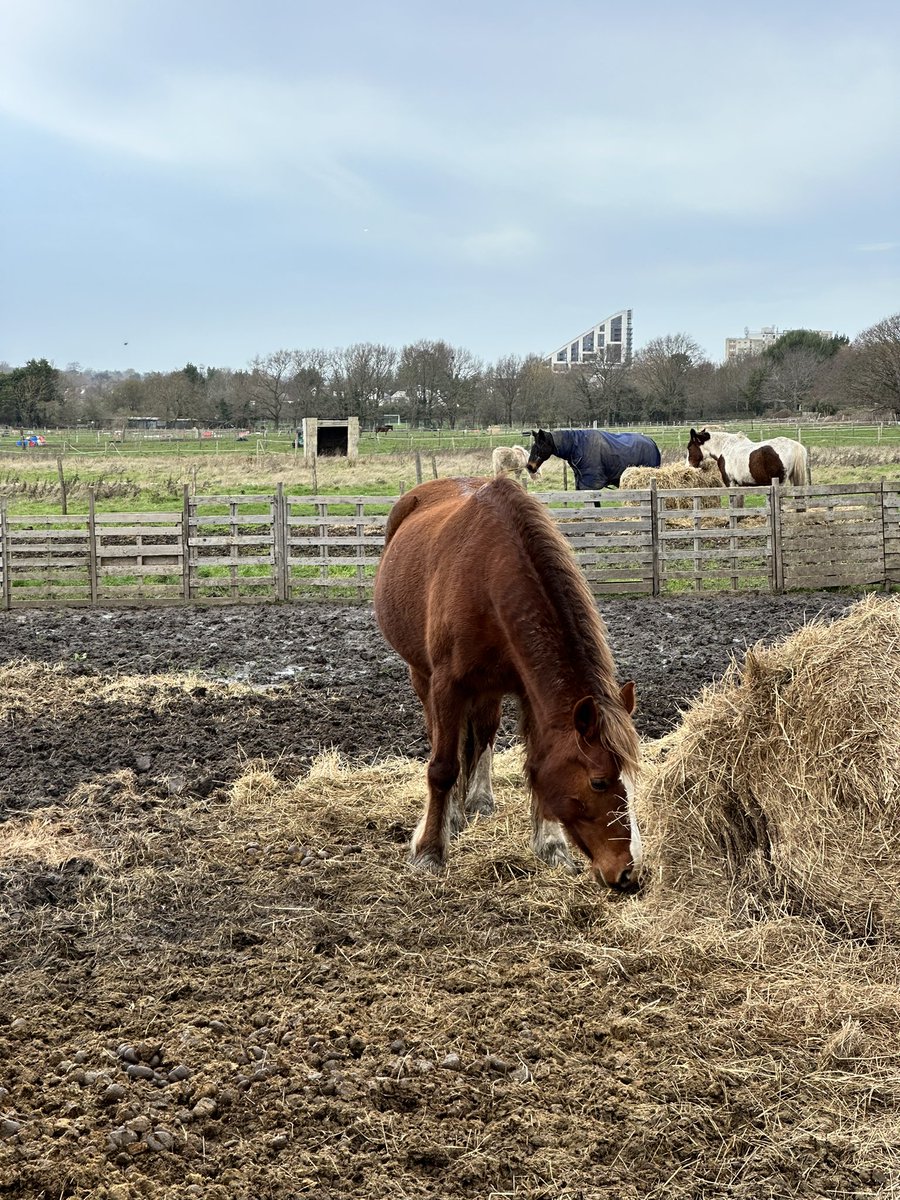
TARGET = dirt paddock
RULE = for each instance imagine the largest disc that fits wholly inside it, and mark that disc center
(219, 979)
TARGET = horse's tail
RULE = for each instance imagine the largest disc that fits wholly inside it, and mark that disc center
(800, 473)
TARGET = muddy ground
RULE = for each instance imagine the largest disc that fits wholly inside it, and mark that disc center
(219, 980)
(325, 679)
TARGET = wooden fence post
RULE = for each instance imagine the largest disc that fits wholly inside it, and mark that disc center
(279, 519)
(434, 466)
(775, 518)
(418, 467)
(93, 572)
(885, 582)
(4, 556)
(62, 483)
(186, 544)
(654, 538)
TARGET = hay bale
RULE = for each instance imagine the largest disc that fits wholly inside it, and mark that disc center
(675, 475)
(782, 785)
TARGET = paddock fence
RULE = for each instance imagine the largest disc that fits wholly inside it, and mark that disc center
(279, 546)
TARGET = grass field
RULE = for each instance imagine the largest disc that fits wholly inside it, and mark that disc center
(149, 475)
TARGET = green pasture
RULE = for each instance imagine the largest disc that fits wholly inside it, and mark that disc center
(146, 473)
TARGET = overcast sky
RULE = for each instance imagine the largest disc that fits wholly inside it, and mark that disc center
(207, 180)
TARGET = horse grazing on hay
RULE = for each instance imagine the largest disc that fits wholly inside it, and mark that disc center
(596, 456)
(743, 463)
(511, 460)
(481, 595)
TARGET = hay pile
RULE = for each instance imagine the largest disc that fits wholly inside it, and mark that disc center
(784, 778)
(676, 475)
(29, 687)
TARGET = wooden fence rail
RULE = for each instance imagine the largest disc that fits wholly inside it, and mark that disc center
(280, 546)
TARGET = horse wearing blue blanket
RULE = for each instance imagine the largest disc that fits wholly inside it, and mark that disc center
(596, 456)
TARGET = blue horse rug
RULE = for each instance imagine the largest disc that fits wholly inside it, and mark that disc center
(598, 458)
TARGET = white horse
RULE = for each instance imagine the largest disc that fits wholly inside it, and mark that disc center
(510, 460)
(743, 463)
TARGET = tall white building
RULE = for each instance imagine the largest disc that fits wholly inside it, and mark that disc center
(607, 341)
(755, 342)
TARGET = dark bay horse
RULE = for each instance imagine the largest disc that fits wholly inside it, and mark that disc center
(479, 591)
(596, 456)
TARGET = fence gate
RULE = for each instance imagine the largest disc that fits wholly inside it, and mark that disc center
(833, 536)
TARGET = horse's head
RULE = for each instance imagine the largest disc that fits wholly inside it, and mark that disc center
(542, 447)
(581, 784)
(695, 453)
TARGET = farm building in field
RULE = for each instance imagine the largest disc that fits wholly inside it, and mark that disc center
(324, 436)
(607, 341)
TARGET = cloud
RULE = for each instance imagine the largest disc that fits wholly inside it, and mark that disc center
(671, 124)
(877, 247)
(506, 244)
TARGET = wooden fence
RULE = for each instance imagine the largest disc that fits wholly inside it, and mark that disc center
(279, 546)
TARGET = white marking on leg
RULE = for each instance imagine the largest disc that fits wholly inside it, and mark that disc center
(548, 840)
(480, 799)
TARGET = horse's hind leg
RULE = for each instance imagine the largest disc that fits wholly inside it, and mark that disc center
(484, 722)
(549, 842)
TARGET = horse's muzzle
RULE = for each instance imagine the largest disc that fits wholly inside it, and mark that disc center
(627, 883)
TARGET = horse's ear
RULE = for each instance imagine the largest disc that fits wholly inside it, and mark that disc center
(585, 717)
(693, 435)
(627, 695)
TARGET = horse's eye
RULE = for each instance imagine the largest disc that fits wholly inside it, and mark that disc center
(600, 785)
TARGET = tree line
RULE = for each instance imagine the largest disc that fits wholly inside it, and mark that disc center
(435, 384)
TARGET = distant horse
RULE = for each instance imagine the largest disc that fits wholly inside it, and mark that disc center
(510, 460)
(596, 456)
(743, 463)
(384, 428)
(479, 591)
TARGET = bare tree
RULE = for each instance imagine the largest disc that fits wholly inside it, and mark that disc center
(505, 379)
(273, 383)
(875, 377)
(790, 382)
(661, 370)
(361, 375)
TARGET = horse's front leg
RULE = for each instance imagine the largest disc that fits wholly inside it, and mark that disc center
(548, 840)
(441, 817)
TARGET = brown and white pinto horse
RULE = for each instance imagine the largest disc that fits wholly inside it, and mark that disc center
(743, 463)
(481, 595)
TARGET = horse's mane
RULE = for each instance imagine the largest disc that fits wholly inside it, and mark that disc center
(581, 650)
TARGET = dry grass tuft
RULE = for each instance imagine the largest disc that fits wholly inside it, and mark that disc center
(27, 688)
(782, 785)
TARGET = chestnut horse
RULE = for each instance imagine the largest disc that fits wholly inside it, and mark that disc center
(481, 595)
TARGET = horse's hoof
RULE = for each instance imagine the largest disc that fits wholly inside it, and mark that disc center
(427, 860)
(480, 806)
(556, 854)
